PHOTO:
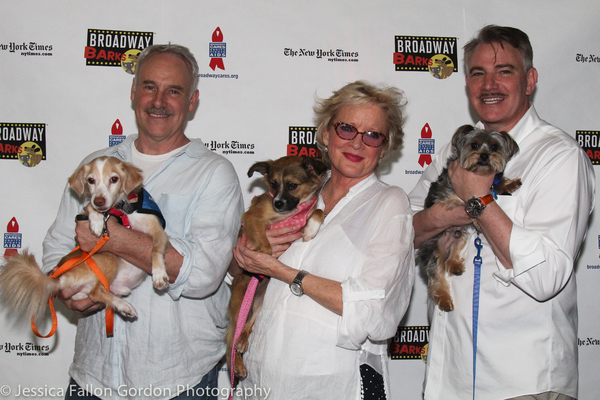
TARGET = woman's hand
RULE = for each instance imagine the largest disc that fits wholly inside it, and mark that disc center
(256, 262)
(282, 238)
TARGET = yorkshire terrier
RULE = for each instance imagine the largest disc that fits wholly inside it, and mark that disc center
(480, 151)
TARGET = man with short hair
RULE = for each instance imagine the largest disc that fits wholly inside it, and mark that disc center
(174, 346)
(527, 320)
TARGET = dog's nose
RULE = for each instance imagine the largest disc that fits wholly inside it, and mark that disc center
(278, 205)
(99, 201)
(484, 157)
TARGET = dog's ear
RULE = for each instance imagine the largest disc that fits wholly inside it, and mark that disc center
(458, 139)
(512, 147)
(131, 176)
(263, 167)
(76, 180)
(314, 165)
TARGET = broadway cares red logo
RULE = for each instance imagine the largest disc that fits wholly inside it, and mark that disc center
(217, 50)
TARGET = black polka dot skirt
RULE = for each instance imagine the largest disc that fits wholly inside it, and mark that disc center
(372, 386)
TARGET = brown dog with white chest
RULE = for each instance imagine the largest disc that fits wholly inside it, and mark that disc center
(292, 181)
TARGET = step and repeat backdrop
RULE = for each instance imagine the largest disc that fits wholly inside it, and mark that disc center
(65, 79)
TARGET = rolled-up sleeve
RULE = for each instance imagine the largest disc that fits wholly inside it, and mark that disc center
(375, 300)
(210, 227)
(549, 225)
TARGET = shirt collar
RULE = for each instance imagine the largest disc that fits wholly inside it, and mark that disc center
(195, 149)
(525, 125)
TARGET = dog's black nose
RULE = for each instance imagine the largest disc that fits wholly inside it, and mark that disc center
(278, 205)
(484, 157)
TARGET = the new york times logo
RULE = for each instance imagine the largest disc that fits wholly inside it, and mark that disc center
(28, 49)
(436, 55)
(112, 48)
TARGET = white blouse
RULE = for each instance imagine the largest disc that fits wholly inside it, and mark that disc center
(299, 349)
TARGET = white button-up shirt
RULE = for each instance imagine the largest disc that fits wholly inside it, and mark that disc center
(178, 336)
(300, 350)
(527, 331)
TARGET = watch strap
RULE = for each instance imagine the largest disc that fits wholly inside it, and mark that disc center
(487, 199)
(299, 277)
(296, 285)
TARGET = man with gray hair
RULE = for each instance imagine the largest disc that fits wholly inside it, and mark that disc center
(516, 338)
(174, 347)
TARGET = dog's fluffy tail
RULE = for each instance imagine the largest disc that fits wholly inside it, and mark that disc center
(24, 288)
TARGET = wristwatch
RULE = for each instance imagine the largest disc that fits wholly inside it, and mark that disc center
(475, 205)
(296, 285)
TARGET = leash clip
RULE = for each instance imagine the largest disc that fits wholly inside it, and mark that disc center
(106, 217)
(479, 247)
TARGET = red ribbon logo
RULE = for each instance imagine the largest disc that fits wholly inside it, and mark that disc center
(117, 128)
(426, 146)
(217, 50)
(12, 227)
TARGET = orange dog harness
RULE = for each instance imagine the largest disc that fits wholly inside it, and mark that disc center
(87, 258)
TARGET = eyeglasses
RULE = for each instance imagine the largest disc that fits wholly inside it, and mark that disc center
(348, 132)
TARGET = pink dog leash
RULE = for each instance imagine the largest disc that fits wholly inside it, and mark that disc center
(242, 317)
(298, 219)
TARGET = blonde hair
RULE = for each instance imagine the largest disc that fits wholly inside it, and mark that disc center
(361, 93)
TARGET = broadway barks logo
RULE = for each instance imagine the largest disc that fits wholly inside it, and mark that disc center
(303, 142)
(111, 48)
(588, 140)
(436, 55)
(24, 142)
(410, 343)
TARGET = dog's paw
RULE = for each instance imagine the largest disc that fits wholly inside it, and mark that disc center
(446, 304)
(455, 267)
(160, 280)
(310, 230)
(96, 224)
(241, 345)
(124, 308)
(239, 369)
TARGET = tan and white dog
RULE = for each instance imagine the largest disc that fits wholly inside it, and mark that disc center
(108, 183)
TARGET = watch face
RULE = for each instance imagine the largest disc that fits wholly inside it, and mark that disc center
(296, 289)
(474, 208)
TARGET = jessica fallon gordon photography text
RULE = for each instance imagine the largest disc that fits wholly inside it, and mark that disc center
(48, 392)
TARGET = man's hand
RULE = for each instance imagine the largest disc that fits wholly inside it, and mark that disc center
(468, 184)
(84, 305)
(84, 236)
(87, 240)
